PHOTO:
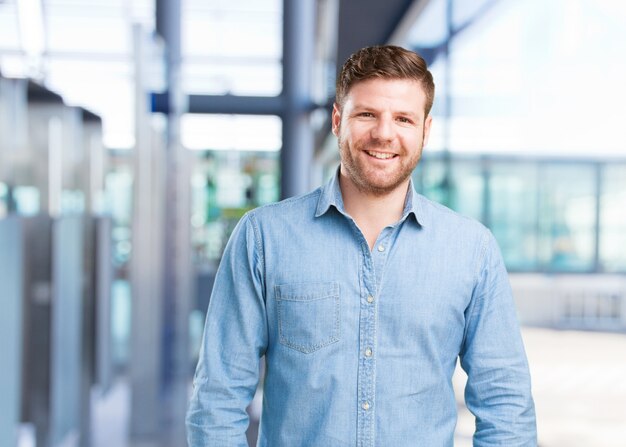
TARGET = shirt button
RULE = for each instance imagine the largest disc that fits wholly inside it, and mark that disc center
(381, 248)
(368, 352)
(370, 299)
(366, 405)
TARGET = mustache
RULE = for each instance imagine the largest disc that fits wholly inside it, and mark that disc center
(371, 145)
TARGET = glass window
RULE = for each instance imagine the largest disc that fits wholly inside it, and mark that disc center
(218, 57)
(27, 200)
(567, 217)
(431, 28)
(517, 78)
(9, 31)
(226, 184)
(613, 219)
(458, 184)
(231, 132)
(248, 77)
(467, 188)
(512, 212)
(429, 179)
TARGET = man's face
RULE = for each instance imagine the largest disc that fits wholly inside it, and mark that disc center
(381, 130)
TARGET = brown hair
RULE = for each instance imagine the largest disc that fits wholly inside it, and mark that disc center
(385, 62)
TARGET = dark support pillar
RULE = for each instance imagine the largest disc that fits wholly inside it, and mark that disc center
(598, 266)
(168, 26)
(177, 268)
(448, 183)
(298, 54)
(160, 373)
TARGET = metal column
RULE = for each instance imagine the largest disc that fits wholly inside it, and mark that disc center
(160, 386)
(145, 361)
(177, 267)
(298, 50)
(11, 278)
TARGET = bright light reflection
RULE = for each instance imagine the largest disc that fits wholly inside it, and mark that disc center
(31, 21)
(537, 78)
(231, 132)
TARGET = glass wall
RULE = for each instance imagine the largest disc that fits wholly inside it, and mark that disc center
(218, 58)
(526, 77)
(612, 235)
(512, 212)
(526, 132)
(547, 215)
(224, 186)
(566, 223)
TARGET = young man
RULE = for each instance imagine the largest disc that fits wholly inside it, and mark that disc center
(362, 295)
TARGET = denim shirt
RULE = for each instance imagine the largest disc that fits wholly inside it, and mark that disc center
(360, 345)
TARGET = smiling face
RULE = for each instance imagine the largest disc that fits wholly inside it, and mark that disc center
(381, 130)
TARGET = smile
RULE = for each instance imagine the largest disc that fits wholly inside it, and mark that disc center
(380, 155)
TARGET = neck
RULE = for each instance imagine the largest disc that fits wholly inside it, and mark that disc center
(372, 212)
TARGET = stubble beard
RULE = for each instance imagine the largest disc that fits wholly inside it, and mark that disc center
(366, 182)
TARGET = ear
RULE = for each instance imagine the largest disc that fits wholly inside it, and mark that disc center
(427, 124)
(336, 119)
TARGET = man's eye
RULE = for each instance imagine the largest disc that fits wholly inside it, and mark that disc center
(404, 120)
(366, 114)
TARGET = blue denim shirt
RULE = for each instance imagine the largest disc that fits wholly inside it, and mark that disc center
(360, 345)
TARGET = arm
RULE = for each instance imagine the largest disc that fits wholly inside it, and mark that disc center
(235, 337)
(498, 387)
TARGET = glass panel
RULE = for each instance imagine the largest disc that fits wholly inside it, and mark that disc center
(80, 34)
(9, 31)
(516, 74)
(431, 27)
(225, 185)
(512, 212)
(464, 12)
(467, 188)
(4, 200)
(430, 179)
(243, 77)
(613, 219)
(231, 132)
(119, 194)
(567, 209)
(121, 308)
(217, 55)
(459, 186)
(439, 131)
(27, 200)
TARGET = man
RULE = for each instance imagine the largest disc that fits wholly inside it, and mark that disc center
(362, 295)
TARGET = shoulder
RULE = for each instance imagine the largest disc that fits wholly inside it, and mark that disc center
(441, 217)
(297, 206)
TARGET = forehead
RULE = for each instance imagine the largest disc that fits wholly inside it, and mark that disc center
(396, 93)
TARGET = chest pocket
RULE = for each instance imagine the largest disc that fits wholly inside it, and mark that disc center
(308, 315)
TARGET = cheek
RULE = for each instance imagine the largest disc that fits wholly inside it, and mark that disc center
(413, 139)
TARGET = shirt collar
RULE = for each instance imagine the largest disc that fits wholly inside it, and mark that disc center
(331, 196)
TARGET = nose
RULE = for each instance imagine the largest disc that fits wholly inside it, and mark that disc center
(383, 129)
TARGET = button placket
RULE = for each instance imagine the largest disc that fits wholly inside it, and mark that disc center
(367, 365)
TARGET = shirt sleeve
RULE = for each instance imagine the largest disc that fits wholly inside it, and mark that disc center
(498, 390)
(235, 337)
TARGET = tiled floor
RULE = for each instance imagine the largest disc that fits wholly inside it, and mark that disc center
(579, 385)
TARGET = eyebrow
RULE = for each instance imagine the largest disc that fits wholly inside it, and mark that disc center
(367, 108)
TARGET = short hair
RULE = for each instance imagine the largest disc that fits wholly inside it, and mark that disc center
(384, 62)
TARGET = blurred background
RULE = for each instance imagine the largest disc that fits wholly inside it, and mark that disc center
(135, 133)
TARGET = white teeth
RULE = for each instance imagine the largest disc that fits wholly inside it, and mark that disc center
(380, 155)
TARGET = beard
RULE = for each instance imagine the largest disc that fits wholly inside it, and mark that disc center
(371, 179)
